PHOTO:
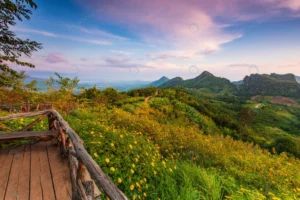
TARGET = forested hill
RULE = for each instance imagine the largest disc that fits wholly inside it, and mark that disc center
(272, 85)
(206, 81)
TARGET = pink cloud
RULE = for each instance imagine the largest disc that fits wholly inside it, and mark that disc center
(55, 58)
(190, 25)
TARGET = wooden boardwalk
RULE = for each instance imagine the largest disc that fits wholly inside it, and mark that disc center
(46, 170)
(34, 171)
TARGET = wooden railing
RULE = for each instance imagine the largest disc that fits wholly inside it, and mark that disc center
(25, 107)
(84, 170)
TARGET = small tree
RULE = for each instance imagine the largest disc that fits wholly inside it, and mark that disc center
(12, 47)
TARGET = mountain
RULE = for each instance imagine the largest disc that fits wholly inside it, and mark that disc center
(298, 79)
(206, 82)
(273, 85)
(177, 81)
(159, 82)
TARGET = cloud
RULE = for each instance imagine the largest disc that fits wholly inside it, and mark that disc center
(181, 25)
(68, 37)
(25, 30)
(97, 32)
(251, 67)
(116, 61)
(121, 52)
(55, 58)
(166, 56)
(122, 63)
(192, 26)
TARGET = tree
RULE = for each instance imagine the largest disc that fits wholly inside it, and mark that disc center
(12, 47)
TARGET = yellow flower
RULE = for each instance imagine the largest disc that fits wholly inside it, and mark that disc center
(146, 186)
(96, 155)
(155, 172)
(130, 146)
(92, 132)
(112, 144)
(137, 184)
(132, 171)
(276, 198)
(135, 142)
(131, 187)
(141, 181)
(107, 160)
(112, 169)
(134, 197)
(133, 165)
(119, 180)
(121, 136)
(145, 194)
(170, 170)
(145, 179)
(152, 163)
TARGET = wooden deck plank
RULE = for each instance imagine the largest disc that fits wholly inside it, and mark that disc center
(36, 192)
(12, 186)
(5, 172)
(24, 178)
(59, 172)
(3, 154)
(46, 177)
(26, 135)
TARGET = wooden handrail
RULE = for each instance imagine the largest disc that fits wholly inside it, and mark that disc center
(104, 182)
(24, 115)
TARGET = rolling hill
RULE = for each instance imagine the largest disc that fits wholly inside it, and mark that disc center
(206, 81)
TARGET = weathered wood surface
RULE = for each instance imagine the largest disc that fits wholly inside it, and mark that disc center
(102, 180)
(60, 174)
(24, 115)
(34, 171)
(26, 135)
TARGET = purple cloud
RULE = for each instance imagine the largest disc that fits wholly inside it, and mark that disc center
(116, 61)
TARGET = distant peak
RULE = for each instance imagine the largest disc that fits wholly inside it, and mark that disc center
(204, 74)
(164, 78)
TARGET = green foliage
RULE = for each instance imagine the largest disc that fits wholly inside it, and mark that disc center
(12, 47)
(287, 144)
(149, 91)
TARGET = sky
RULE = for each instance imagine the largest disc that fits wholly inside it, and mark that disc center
(113, 40)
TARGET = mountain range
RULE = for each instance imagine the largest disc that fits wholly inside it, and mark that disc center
(255, 84)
